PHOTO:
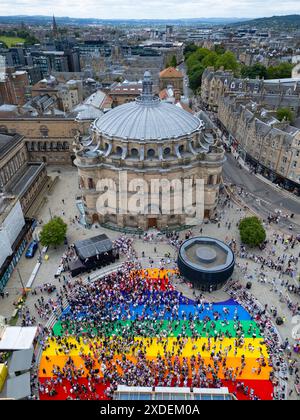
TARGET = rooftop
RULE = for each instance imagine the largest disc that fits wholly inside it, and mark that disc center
(170, 72)
(8, 142)
(147, 118)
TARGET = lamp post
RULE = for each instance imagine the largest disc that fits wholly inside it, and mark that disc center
(21, 280)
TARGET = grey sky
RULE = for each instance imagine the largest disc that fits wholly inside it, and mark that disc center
(163, 9)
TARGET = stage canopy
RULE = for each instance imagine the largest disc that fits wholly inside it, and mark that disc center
(92, 247)
(17, 388)
(17, 338)
(20, 361)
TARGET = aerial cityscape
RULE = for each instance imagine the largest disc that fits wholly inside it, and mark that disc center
(150, 201)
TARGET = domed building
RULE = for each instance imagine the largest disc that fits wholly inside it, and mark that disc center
(148, 139)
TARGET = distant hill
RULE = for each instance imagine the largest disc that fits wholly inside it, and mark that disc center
(279, 22)
(47, 20)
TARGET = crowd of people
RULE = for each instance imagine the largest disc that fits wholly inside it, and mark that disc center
(102, 315)
(279, 351)
(102, 311)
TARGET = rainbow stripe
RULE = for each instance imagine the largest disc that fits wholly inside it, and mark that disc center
(214, 330)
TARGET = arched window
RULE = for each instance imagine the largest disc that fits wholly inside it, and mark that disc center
(134, 153)
(167, 151)
(119, 150)
(151, 153)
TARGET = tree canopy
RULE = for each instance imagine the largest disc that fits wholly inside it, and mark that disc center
(252, 72)
(252, 231)
(197, 59)
(282, 71)
(172, 62)
(54, 232)
(285, 114)
(24, 34)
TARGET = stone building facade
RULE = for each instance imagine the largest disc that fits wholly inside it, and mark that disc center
(18, 176)
(271, 146)
(13, 87)
(171, 77)
(48, 139)
(149, 139)
(216, 84)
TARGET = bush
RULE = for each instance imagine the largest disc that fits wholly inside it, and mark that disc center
(252, 231)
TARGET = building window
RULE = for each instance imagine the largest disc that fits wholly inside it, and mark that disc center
(151, 153)
(134, 152)
(90, 183)
(44, 131)
(167, 151)
(119, 151)
(210, 180)
(3, 129)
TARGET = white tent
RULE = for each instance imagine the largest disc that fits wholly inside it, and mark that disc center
(17, 338)
(21, 361)
(17, 388)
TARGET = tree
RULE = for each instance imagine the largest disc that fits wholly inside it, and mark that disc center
(219, 49)
(3, 44)
(202, 58)
(257, 70)
(189, 49)
(228, 61)
(252, 231)
(282, 71)
(195, 77)
(53, 232)
(285, 114)
(173, 61)
(210, 60)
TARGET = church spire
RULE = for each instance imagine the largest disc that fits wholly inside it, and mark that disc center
(54, 27)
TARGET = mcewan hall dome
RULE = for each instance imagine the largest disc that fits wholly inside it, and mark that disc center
(148, 139)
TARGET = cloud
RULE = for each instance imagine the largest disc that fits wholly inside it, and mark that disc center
(109, 9)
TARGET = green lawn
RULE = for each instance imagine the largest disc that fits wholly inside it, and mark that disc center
(11, 41)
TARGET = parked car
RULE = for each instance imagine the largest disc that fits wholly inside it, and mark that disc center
(31, 250)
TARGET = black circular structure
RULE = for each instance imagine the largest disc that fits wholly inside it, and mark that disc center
(206, 262)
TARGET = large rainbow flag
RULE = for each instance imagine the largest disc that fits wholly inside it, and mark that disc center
(223, 328)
